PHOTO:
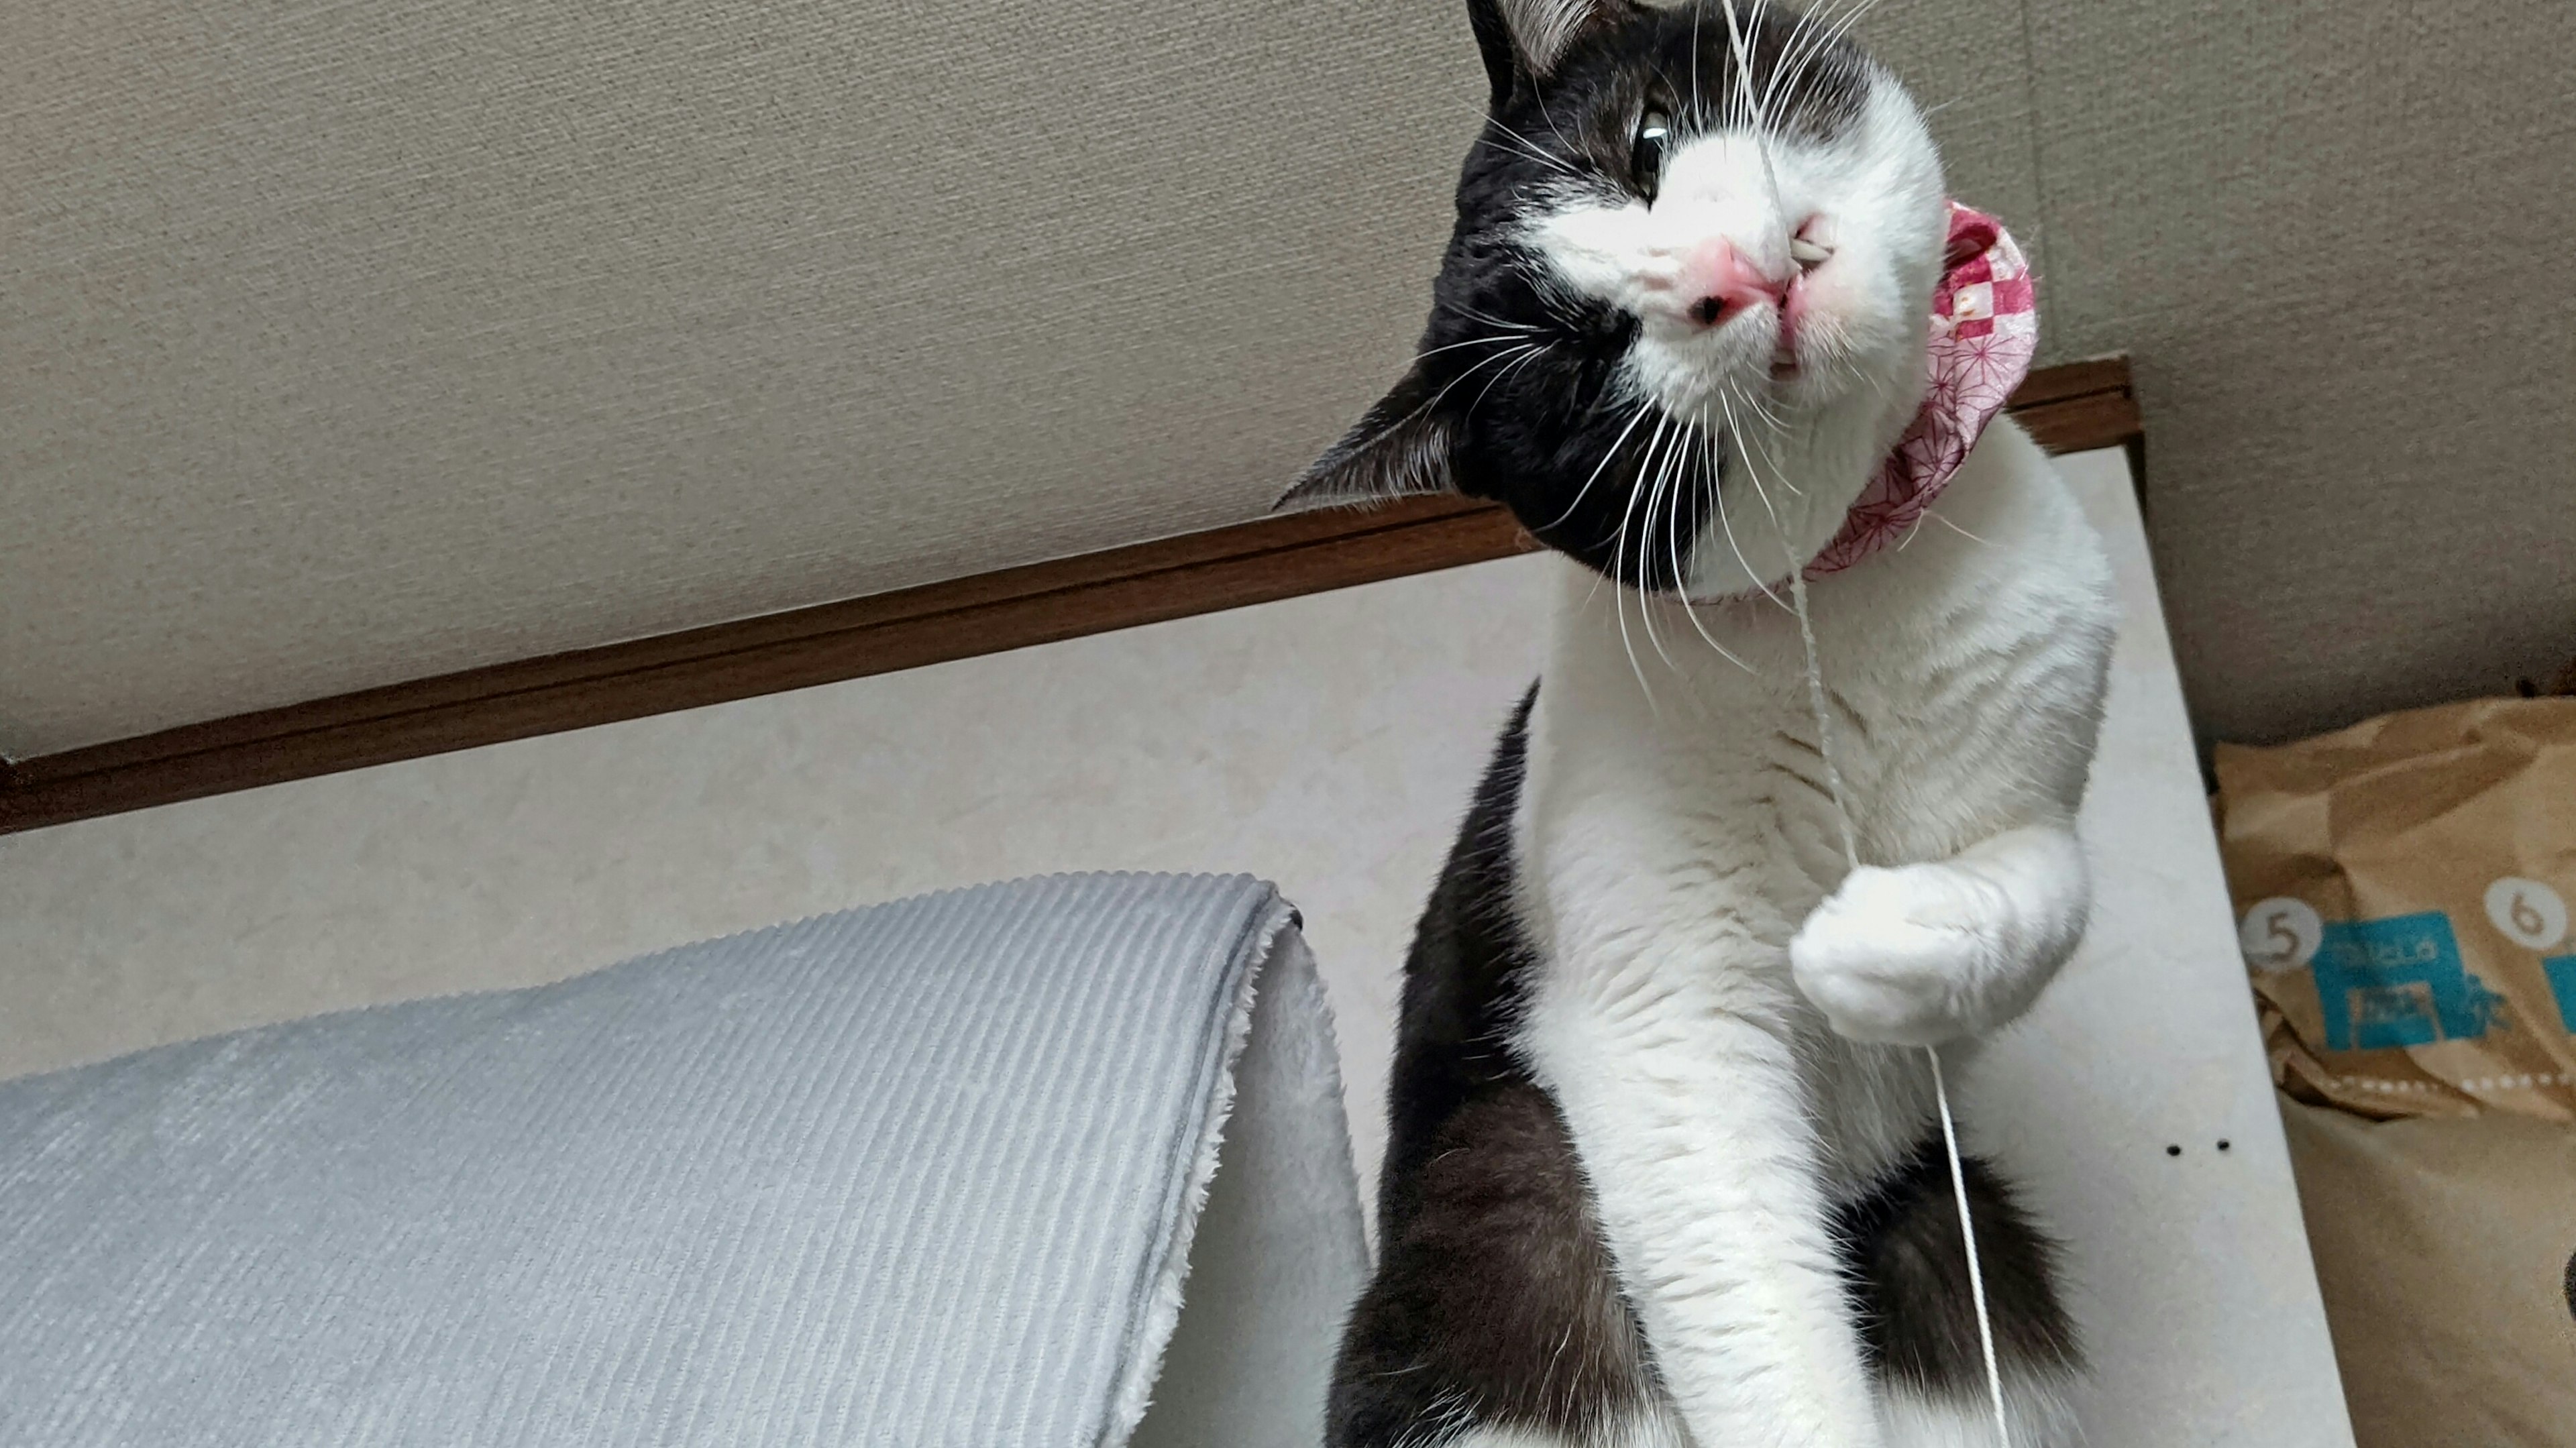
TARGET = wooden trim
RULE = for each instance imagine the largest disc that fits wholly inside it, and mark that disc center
(2070, 408)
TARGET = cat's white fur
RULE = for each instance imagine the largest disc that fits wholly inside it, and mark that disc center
(1723, 1016)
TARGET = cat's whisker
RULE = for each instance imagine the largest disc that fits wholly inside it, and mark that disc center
(1619, 598)
(1764, 493)
(1752, 27)
(1822, 40)
(1691, 444)
(1470, 342)
(1634, 418)
(1717, 501)
(1779, 474)
(1679, 469)
(1728, 524)
(1527, 154)
(1752, 109)
(1735, 44)
(1811, 22)
(1530, 352)
(1753, 408)
(1549, 116)
(1481, 364)
(1757, 113)
(1676, 490)
(1754, 476)
(1760, 409)
(1511, 360)
(1748, 565)
(1799, 36)
(1535, 151)
(1668, 493)
(1619, 606)
(1955, 528)
(1698, 112)
(1523, 152)
(1648, 494)
(1400, 423)
(1504, 324)
(1835, 35)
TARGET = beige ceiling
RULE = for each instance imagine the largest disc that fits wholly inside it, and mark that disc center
(347, 344)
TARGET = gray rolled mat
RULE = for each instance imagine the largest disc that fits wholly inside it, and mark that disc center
(925, 1173)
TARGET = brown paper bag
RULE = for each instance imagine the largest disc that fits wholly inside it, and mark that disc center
(2402, 890)
(2446, 1253)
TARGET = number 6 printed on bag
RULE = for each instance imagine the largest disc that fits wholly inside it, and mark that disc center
(2529, 913)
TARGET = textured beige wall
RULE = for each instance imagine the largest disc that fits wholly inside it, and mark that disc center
(2336, 235)
(340, 345)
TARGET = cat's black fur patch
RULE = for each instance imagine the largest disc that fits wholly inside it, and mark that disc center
(1909, 1277)
(1495, 1301)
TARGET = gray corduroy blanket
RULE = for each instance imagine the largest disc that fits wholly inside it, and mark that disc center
(929, 1173)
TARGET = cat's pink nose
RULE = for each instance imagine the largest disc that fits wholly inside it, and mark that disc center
(1721, 282)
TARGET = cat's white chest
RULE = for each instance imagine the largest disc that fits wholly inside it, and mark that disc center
(1679, 824)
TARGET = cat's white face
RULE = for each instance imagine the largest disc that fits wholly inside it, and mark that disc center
(1778, 285)
(1688, 293)
(1779, 271)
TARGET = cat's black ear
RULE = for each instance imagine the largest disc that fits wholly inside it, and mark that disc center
(1402, 447)
(1524, 39)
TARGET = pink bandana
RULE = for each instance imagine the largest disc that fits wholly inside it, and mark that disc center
(1984, 330)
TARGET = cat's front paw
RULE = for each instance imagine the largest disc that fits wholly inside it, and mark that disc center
(1893, 956)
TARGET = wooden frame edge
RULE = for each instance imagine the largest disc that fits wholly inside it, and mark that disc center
(2070, 408)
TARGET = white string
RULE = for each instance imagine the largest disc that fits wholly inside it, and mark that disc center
(1968, 1235)
(1940, 1087)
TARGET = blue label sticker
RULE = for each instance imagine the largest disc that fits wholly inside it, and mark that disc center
(2399, 982)
(2561, 970)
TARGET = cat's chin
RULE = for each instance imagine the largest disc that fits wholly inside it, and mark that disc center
(1810, 385)
(1820, 381)
(1785, 393)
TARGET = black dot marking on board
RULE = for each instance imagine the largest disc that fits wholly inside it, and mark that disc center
(2222, 1143)
(2173, 1151)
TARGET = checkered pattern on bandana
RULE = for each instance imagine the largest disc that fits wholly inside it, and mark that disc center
(1985, 328)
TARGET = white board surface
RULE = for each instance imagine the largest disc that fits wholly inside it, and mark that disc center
(1326, 742)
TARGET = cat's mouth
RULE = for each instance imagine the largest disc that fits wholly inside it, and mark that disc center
(1784, 364)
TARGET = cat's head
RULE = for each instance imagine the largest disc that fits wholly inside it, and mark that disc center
(1694, 257)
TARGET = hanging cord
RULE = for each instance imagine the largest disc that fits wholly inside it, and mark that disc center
(1940, 1087)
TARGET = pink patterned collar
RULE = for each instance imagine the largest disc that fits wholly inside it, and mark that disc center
(1985, 327)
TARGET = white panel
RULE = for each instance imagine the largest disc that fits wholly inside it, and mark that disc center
(1326, 742)
(2191, 1273)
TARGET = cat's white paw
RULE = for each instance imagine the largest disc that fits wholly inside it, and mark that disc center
(1894, 956)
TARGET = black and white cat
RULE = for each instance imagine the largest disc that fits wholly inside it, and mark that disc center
(1663, 1165)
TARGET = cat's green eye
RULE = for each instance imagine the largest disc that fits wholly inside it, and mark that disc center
(1646, 154)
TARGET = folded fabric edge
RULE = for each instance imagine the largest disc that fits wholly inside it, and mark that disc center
(1153, 1336)
(646, 959)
